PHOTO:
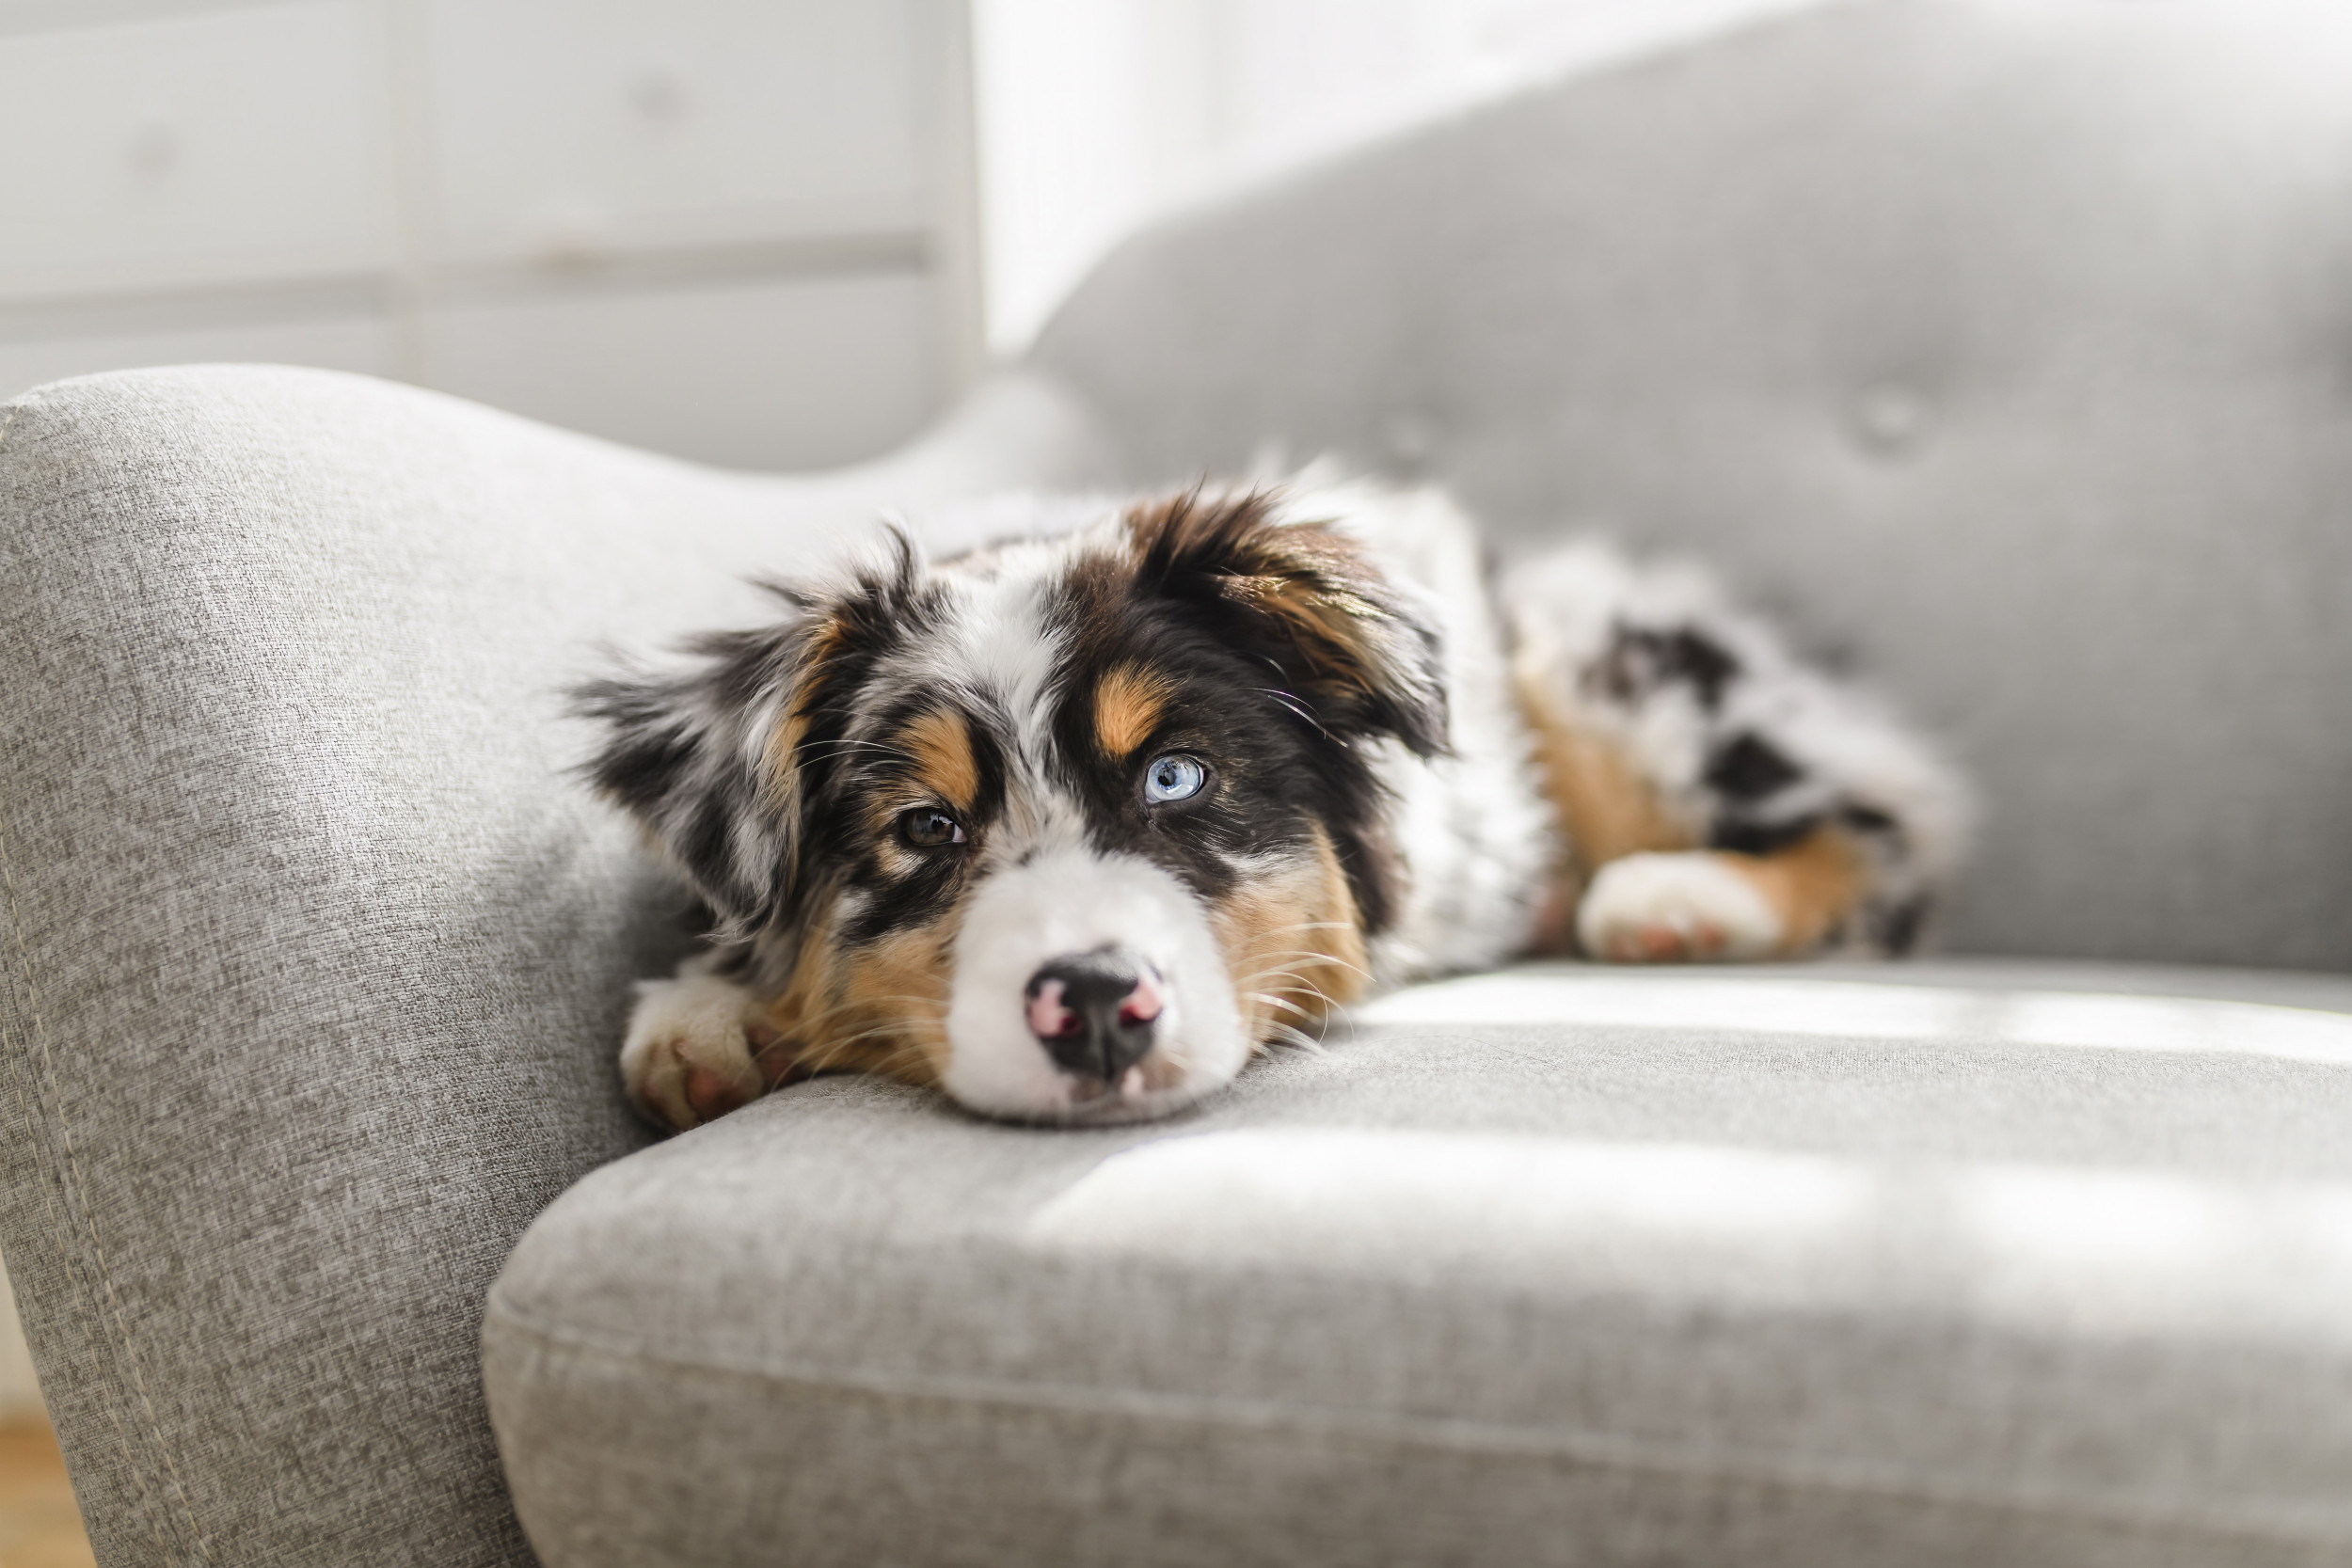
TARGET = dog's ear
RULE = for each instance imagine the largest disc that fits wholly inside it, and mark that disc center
(721, 759)
(693, 755)
(1357, 652)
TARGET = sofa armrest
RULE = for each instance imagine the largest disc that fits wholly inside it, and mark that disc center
(314, 957)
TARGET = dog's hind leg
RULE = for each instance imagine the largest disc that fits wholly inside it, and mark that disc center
(1718, 798)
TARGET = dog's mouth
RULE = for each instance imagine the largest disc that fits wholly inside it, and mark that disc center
(1108, 1105)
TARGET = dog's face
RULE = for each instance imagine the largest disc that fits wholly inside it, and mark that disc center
(1069, 828)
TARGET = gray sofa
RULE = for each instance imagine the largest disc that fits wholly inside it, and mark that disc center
(2005, 350)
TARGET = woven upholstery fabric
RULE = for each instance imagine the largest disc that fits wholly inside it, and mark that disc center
(1955, 1264)
(315, 958)
(2004, 351)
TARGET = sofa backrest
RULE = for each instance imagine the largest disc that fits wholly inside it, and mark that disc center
(2005, 350)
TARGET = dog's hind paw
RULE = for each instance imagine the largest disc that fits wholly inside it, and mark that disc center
(1663, 907)
(689, 1056)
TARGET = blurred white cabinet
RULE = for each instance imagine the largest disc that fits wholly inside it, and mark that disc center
(567, 125)
(242, 146)
(739, 230)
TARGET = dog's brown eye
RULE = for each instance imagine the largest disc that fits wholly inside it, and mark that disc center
(929, 828)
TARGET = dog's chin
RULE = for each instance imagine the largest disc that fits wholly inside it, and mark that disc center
(1052, 1099)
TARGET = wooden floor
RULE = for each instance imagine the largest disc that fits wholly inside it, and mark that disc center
(39, 1525)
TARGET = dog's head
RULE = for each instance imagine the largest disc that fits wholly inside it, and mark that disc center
(1070, 827)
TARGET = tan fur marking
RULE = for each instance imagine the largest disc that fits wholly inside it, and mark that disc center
(880, 1009)
(1128, 703)
(1294, 943)
(1605, 809)
(1608, 810)
(1306, 576)
(782, 777)
(942, 745)
(1331, 631)
(1811, 885)
(824, 641)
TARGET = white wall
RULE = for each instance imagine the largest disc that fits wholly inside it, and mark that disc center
(1096, 115)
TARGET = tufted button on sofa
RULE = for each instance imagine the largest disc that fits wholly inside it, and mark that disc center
(2001, 349)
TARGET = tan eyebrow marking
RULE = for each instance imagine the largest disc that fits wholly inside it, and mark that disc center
(1128, 703)
(942, 745)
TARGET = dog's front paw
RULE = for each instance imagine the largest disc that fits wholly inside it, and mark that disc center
(1661, 907)
(688, 1057)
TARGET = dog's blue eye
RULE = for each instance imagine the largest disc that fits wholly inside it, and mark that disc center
(1173, 778)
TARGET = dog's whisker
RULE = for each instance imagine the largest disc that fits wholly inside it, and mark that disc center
(1297, 1038)
(1288, 701)
(818, 1020)
(1283, 953)
(1280, 973)
(831, 1050)
(1270, 1000)
(865, 741)
(1330, 960)
(803, 1028)
(1305, 953)
(1300, 983)
(1299, 988)
(911, 1053)
(803, 759)
(823, 751)
(839, 1048)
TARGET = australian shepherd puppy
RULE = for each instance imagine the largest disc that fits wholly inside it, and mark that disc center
(1073, 827)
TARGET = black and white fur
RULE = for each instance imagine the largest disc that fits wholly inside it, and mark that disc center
(1361, 700)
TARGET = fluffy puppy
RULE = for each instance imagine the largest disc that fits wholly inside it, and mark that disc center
(1072, 827)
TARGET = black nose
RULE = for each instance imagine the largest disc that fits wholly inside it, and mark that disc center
(1094, 1012)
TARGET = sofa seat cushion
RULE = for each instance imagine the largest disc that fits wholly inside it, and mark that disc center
(1956, 1263)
